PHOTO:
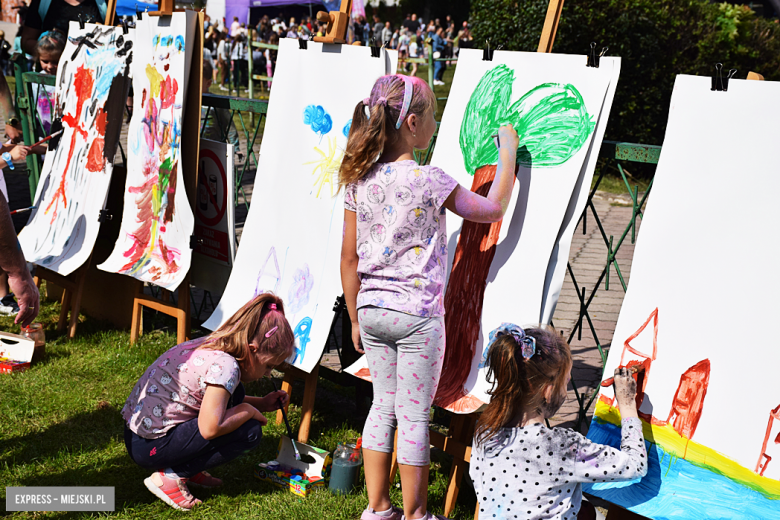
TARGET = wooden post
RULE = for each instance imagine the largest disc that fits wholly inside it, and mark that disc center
(461, 431)
(550, 26)
(755, 76)
(73, 289)
(110, 13)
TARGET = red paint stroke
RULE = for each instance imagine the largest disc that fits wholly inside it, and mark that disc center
(647, 359)
(464, 298)
(688, 400)
(764, 459)
(364, 373)
(83, 83)
(168, 89)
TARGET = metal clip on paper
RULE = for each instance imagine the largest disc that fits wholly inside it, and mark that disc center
(487, 52)
(720, 83)
(374, 48)
(125, 29)
(105, 215)
(81, 21)
(593, 58)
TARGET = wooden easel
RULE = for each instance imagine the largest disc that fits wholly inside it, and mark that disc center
(292, 373)
(72, 284)
(190, 141)
(457, 442)
(338, 23)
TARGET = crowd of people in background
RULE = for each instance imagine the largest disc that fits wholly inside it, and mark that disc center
(227, 47)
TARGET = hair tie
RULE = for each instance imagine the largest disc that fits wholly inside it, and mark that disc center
(44, 34)
(526, 343)
(408, 91)
(272, 307)
(366, 101)
(271, 332)
(381, 101)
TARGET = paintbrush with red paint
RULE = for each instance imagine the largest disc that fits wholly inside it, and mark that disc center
(635, 369)
(55, 134)
(23, 210)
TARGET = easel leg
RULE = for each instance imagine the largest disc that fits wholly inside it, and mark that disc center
(461, 429)
(287, 387)
(67, 295)
(394, 459)
(76, 303)
(307, 409)
(476, 511)
(137, 324)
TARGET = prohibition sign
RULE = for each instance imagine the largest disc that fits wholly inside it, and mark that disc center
(212, 221)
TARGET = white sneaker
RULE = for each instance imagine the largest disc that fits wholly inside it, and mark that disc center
(223, 87)
(437, 82)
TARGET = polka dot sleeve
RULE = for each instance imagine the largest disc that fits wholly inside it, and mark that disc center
(601, 463)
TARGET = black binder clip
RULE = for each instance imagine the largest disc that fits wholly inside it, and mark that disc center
(593, 58)
(81, 21)
(487, 52)
(138, 14)
(720, 83)
(125, 28)
(375, 48)
(303, 44)
(105, 215)
(195, 241)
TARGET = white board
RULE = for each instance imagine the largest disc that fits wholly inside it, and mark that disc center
(703, 290)
(74, 181)
(157, 220)
(531, 227)
(291, 243)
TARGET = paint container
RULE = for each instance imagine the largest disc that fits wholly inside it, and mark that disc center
(35, 332)
(344, 472)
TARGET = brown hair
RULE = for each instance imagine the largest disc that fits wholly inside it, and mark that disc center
(368, 136)
(255, 318)
(519, 384)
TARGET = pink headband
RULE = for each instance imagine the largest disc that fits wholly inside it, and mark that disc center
(408, 86)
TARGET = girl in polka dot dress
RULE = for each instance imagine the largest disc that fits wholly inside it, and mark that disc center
(521, 468)
(189, 411)
(393, 268)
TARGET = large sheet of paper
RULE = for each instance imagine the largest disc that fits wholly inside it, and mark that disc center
(704, 280)
(157, 220)
(555, 103)
(291, 243)
(91, 90)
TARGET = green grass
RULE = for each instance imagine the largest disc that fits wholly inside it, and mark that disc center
(60, 426)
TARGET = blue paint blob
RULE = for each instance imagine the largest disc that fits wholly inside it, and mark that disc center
(301, 333)
(318, 119)
(346, 128)
(180, 43)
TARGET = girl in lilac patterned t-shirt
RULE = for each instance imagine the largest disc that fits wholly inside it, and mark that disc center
(189, 412)
(393, 269)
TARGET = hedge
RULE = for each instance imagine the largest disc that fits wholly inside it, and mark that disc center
(656, 39)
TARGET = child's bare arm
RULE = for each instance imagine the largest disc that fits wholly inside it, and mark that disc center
(349, 278)
(476, 208)
(216, 419)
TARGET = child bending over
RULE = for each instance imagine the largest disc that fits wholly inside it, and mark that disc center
(393, 263)
(189, 411)
(521, 468)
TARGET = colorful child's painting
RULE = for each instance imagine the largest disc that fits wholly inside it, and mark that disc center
(91, 88)
(497, 272)
(157, 220)
(707, 395)
(291, 243)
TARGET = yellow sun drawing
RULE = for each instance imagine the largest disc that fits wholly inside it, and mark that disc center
(328, 165)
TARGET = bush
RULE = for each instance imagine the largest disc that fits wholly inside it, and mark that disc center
(656, 39)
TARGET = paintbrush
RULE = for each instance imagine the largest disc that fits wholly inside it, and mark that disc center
(23, 210)
(55, 134)
(308, 459)
(634, 369)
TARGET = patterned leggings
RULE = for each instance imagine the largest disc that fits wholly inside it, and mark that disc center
(404, 354)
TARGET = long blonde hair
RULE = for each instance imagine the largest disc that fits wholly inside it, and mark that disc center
(368, 136)
(256, 318)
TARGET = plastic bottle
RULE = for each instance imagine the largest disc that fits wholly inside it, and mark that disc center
(34, 331)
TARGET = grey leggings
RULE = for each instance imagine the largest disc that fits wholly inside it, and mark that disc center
(404, 354)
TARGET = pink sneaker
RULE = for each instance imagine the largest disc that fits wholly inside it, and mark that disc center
(428, 516)
(204, 480)
(370, 514)
(171, 491)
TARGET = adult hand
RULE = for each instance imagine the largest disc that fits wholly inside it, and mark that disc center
(625, 392)
(508, 138)
(356, 338)
(27, 297)
(19, 152)
(13, 133)
(272, 402)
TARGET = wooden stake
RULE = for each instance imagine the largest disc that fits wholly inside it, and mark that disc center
(755, 76)
(550, 26)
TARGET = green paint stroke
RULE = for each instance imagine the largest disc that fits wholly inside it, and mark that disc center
(551, 120)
